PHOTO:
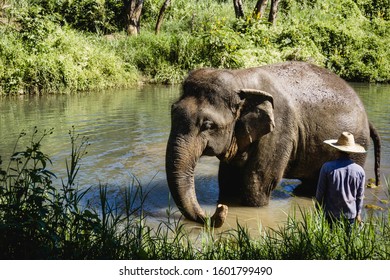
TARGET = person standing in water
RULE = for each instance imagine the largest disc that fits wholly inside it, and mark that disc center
(340, 188)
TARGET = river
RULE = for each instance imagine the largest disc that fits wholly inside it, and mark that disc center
(128, 131)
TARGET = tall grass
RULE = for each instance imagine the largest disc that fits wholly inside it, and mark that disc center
(313, 238)
(42, 220)
(39, 220)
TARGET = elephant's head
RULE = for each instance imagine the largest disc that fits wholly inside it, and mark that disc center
(213, 118)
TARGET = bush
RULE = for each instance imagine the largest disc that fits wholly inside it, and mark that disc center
(352, 45)
(63, 61)
(163, 59)
(375, 9)
(101, 16)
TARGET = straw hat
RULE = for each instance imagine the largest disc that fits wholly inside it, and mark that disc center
(346, 143)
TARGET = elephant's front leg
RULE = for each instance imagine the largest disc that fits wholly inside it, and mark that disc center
(230, 183)
(259, 182)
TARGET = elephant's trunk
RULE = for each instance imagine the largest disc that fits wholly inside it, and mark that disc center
(182, 156)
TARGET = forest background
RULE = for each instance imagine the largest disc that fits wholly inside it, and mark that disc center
(64, 46)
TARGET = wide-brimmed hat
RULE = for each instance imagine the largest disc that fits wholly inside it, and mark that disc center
(346, 143)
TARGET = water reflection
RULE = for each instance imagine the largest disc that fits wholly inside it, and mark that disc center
(376, 99)
(128, 131)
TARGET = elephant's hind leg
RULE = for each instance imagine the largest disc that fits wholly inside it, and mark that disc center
(307, 188)
(230, 183)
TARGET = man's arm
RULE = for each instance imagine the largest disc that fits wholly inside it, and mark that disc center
(321, 186)
(359, 198)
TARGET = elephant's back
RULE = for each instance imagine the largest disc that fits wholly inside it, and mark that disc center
(316, 91)
(310, 84)
(324, 104)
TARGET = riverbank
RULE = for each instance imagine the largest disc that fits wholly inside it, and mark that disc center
(41, 51)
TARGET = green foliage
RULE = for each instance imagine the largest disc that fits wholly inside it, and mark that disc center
(51, 46)
(375, 8)
(60, 61)
(313, 238)
(221, 45)
(39, 220)
(86, 15)
(163, 59)
(34, 29)
(34, 217)
(351, 44)
(102, 16)
(309, 237)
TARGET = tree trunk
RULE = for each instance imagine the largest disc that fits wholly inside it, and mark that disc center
(133, 16)
(161, 15)
(238, 8)
(273, 12)
(260, 7)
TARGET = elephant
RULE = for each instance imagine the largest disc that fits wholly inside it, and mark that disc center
(263, 124)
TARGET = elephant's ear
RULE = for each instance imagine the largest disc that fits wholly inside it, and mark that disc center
(259, 95)
(256, 114)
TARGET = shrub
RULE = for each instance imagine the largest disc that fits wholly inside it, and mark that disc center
(375, 9)
(62, 61)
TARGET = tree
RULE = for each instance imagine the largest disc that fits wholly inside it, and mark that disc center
(273, 12)
(133, 15)
(260, 7)
(161, 15)
(238, 8)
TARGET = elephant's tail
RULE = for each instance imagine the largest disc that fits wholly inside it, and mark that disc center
(377, 152)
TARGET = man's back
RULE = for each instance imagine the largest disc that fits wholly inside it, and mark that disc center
(341, 188)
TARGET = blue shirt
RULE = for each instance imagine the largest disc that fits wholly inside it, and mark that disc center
(340, 188)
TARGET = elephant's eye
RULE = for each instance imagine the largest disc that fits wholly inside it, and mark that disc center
(207, 125)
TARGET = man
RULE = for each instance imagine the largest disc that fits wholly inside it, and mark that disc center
(340, 187)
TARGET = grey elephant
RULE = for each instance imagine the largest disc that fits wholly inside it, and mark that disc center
(263, 124)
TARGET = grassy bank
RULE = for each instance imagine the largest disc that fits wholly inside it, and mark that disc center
(49, 46)
(40, 219)
(62, 61)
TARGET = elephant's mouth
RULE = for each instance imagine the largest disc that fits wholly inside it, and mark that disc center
(231, 151)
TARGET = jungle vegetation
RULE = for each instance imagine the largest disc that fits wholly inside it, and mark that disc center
(51, 46)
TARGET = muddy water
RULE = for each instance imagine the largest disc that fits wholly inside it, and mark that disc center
(128, 131)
